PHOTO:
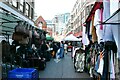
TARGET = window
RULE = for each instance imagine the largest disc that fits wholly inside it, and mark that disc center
(71, 17)
(32, 13)
(14, 3)
(76, 11)
(82, 14)
(27, 9)
(86, 10)
(21, 5)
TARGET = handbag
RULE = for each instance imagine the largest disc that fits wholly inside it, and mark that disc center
(36, 34)
(17, 36)
(24, 41)
(20, 29)
(27, 32)
(30, 34)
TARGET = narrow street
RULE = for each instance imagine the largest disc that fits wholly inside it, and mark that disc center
(62, 69)
(31, 29)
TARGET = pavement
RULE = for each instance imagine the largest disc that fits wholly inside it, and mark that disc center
(62, 69)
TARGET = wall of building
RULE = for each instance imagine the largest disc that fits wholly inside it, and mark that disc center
(25, 7)
(79, 14)
(60, 21)
(21, 9)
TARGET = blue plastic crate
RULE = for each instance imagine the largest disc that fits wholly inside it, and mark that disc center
(23, 73)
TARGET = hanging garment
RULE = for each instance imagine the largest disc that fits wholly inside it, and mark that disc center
(108, 35)
(93, 31)
(97, 20)
(116, 32)
(101, 18)
(74, 51)
(79, 64)
(85, 40)
(97, 63)
(90, 32)
(101, 64)
(112, 71)
(17, 36)
(114, 6)
(97, 17)
(24, 41)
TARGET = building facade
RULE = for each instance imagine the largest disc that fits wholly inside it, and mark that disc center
(50, 27)
(60, 21)
(24, 7)
(41, 23)
(78, 16)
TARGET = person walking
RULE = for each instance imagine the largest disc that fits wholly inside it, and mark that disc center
(44, 49)
(61, 49)
(65, 47)
(55, 48)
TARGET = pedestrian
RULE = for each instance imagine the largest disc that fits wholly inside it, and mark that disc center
(61, 49)
(44, 49)
(55, 49)
(48, 52)
(65, 47)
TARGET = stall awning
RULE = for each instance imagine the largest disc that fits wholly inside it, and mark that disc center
(7, 22)
(71, 37)
(9, 9)
(9, 18)
(48, 37)
(78, 34)
(114, 19)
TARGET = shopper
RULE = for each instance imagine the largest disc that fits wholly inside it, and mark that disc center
(65, 47)
(44, 49)
(61, 49)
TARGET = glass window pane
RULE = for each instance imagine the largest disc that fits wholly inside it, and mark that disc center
(27, 6)
(21, 2)
(27, 12)
(14, 2)
(32, 13)
(21, 8)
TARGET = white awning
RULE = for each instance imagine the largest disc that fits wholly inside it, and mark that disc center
(71, 37)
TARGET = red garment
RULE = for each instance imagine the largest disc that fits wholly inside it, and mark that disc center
(101, 18)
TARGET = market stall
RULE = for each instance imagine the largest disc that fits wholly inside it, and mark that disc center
(23, 35)
(102, 30)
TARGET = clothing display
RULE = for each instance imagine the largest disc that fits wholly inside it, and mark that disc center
(80, 57)
(108, 35)
(94, 35)
(100, 69)
(97, 20)
(112, 71)
(73, 55)
(103, 31)
(85, 40)
(114, 6)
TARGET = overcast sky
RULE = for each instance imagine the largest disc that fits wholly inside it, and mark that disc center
(48, 8)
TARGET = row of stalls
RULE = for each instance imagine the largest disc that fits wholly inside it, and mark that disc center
(20, 43)
(101, 40)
